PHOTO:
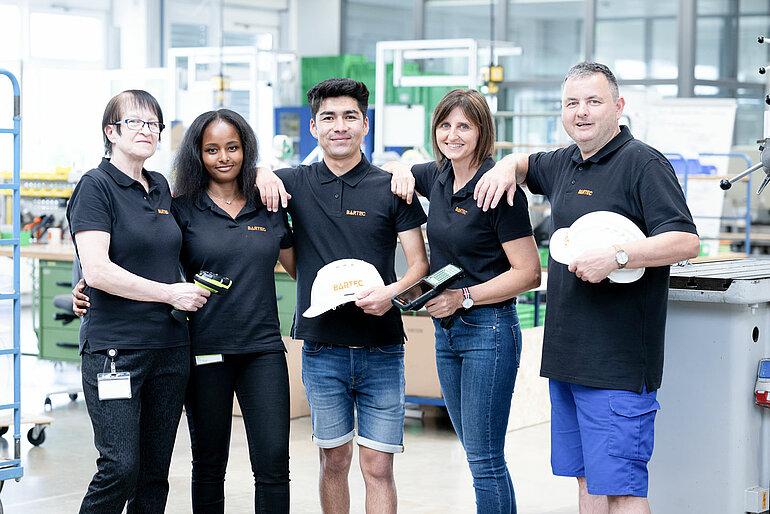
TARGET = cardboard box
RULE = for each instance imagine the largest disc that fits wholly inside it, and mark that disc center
(298, 401)
(530, 405)
(420, 357)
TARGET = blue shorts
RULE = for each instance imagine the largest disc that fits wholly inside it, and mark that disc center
(605, 435)
(343, 384)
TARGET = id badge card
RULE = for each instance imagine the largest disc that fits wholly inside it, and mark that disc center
(114, 386)
(200, 360)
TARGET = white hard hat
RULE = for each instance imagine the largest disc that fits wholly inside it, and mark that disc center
(338, 283)
(596, 230)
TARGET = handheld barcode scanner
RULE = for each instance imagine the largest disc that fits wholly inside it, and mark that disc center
(414, 297)
(214, 282)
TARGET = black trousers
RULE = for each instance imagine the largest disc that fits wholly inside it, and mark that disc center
(135, 437)
(261, 382)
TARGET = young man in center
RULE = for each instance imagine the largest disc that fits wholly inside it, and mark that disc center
(353, 356)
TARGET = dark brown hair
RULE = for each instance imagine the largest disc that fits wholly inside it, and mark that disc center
(334, 88)
(476, 109)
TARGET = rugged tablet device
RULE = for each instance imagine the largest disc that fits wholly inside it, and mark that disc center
(414, 297)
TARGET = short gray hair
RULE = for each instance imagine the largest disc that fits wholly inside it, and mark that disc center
(586, 69)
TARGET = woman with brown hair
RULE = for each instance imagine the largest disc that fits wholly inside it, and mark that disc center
(478, 338)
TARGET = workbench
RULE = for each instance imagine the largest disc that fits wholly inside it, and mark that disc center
(712, 444)
(52, 277)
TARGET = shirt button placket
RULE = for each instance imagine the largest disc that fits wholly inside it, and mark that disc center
(338, 195)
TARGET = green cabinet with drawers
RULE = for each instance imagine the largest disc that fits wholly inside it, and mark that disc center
(56, 341)
(286, 296)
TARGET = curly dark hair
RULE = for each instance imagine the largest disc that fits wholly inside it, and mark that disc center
(190, 175)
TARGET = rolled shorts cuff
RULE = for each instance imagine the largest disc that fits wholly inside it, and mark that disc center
(336, 442)
(380, 447)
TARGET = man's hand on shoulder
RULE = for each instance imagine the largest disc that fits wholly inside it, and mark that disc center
(271, 190)
(594, 265)
(402, 182)
(501, 179)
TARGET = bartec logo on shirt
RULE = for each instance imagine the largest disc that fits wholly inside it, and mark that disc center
(586, 192)
(461, 211)
(355, 213)
(162, 211)
(256, 227)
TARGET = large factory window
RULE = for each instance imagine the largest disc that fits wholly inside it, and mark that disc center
(365, 22)
(550, 35)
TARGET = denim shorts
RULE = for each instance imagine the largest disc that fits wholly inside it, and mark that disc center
(605, 435)
(355, 386)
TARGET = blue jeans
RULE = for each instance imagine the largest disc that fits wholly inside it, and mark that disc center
(348, 385)
(477, 360)
(134, 436)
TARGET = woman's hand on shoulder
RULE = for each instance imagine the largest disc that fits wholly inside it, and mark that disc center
(186, 296)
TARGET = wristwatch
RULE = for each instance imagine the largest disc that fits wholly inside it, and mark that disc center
(621, 257)
(467, 300)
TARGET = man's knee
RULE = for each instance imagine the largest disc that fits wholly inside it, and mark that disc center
(376, 465)
(337, 460)
(628, 504)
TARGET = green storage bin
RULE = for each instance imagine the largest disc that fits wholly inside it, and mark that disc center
(543, 257)
(56, 341)
(286, 297)
(526, 312)
(59, 344)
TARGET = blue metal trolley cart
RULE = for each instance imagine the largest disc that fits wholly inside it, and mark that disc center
(11, 468)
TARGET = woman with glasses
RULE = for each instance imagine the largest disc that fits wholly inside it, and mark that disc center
(478, 337)
(135, 355)
(236, 345)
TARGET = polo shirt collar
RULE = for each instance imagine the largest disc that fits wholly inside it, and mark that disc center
(351, 178)
(203, 202)
(467, 189)
(121, 178)
(614, 143)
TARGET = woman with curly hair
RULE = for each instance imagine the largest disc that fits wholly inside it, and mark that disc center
(236, 340)
(236, 345)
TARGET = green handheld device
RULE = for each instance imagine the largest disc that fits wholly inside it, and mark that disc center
(214, 282)
(414, 297)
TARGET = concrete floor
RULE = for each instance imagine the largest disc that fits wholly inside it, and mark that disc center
(432, 475)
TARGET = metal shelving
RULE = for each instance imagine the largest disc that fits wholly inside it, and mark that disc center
(12, 468)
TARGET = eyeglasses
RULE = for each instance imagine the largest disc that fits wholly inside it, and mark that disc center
(136, 125)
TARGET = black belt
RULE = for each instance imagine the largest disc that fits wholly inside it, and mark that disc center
(449, 320)
(498, 305)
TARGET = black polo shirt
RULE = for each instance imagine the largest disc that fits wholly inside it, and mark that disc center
(460, 233)
(354, 216)
(608, 335)
(245, 249)
(144, 240)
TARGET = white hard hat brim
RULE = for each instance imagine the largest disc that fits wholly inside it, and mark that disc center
(596, 230)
